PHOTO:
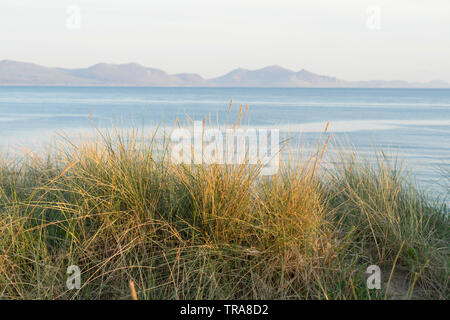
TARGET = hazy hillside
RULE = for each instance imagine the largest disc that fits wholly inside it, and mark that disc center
(132, 74)
(275, 76)
(19, 73)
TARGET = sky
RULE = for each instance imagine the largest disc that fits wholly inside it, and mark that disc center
(350, 39)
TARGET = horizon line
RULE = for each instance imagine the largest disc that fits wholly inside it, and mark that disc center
(209, 79)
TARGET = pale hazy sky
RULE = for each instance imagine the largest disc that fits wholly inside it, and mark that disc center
(211, 37)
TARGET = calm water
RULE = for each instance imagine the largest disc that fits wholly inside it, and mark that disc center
(412, 123)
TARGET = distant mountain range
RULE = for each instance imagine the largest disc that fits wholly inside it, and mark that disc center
(132, 74)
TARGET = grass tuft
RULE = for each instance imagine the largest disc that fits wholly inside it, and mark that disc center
(142, 227)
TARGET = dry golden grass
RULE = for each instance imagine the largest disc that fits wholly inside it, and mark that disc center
(140, 226)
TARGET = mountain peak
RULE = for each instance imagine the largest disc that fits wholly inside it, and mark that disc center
(275, 68)
(116, 65)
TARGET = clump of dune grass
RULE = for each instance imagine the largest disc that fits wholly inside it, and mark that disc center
(140, 226)
(392, 221)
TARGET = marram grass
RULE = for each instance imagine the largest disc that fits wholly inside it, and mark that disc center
(142, 227)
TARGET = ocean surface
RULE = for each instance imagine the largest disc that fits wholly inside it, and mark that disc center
(412, 124)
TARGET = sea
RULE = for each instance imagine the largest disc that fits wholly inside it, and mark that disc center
(411, 125)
